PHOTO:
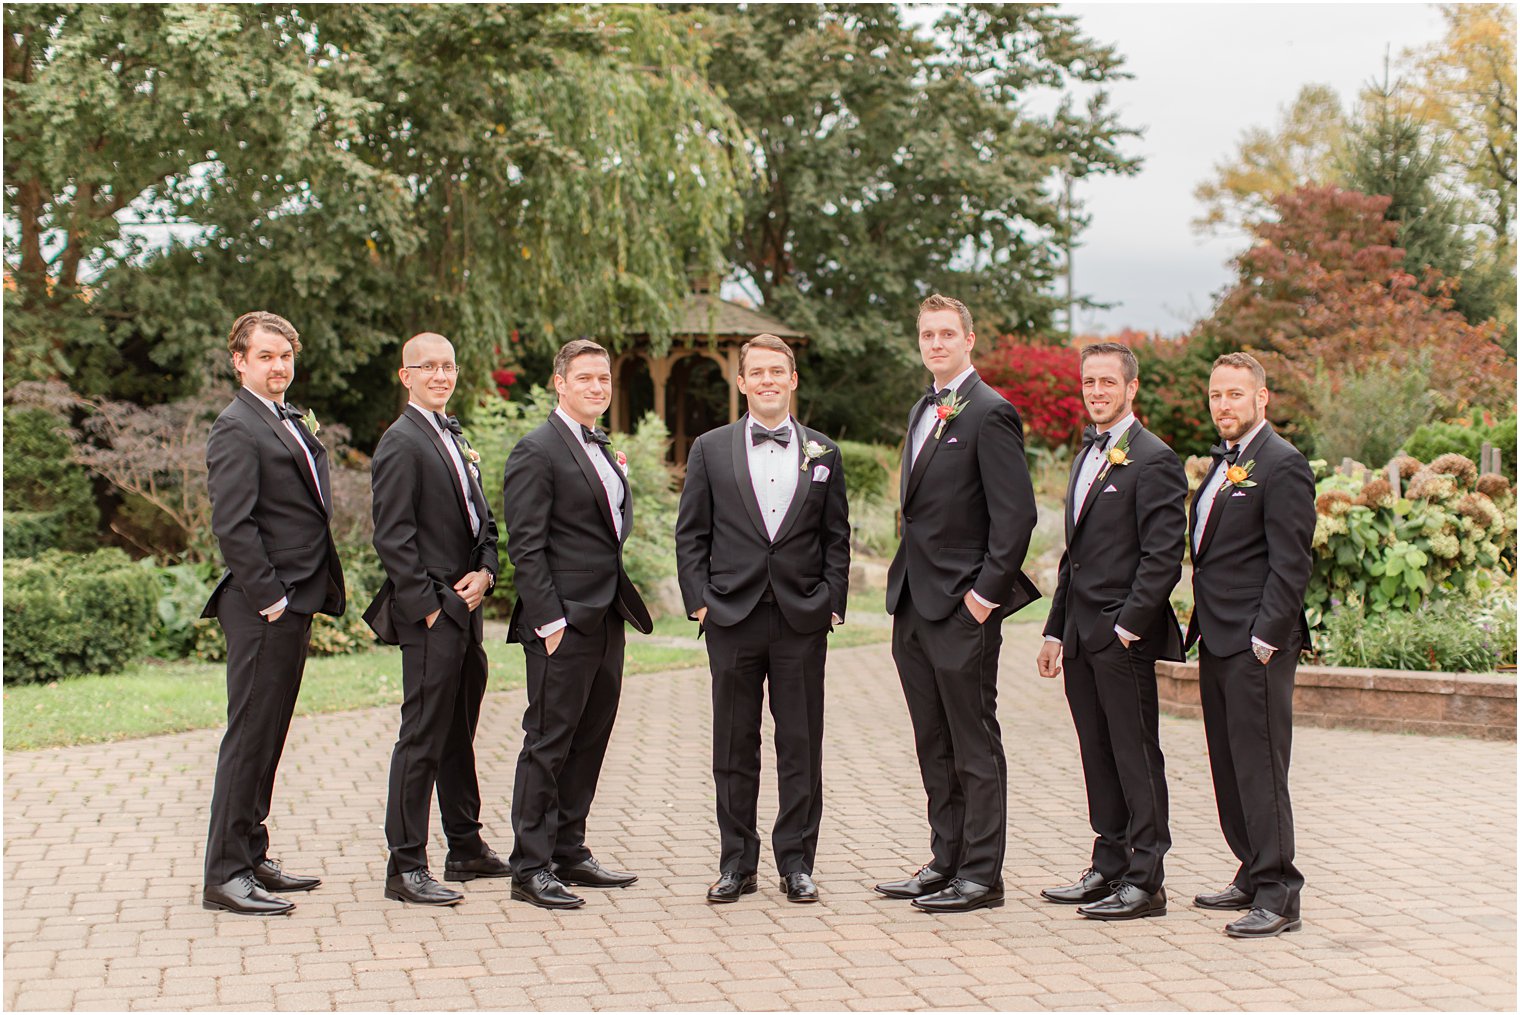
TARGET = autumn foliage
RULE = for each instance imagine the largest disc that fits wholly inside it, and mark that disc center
(1044, 384)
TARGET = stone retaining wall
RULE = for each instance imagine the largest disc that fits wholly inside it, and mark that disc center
(1397, 701)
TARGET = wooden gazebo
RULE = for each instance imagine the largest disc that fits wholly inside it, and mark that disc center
(692, 386)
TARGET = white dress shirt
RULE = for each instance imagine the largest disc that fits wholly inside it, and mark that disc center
(611, 483)
(773, 473)
(1205, 505)
(311, 463)
(452, 447)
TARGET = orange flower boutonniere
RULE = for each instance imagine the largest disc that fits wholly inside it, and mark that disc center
(1240, 475)
(1116, 455)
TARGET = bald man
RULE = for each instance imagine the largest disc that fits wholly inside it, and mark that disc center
(437, 540)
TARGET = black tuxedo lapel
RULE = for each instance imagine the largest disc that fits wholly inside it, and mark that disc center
(742, 477)
(1222, 497)
(916, 414)
(292, 444)
(1071, 493)
(800, 491)
(921, 463)
(443, 453)
(627, 510)
(593, 478)
(1101, 476)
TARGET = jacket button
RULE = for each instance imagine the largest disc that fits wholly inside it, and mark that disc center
(907, 518)
(1075, 566)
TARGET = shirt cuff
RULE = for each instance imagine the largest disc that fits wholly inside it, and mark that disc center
(550, 628)
(990, 606)
(276, 608)
(1257, 641)
(837, 620)
(1121, 632)
(1051, 637)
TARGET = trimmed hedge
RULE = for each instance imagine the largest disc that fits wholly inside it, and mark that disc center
(49, 500)
(71, 614)
(866, 468)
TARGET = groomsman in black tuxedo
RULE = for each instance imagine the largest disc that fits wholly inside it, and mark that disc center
(270, 504)
(568, 511)
(1251, 528)
(1110, 620)
(437, 541)
(763, 548)
(968, 509)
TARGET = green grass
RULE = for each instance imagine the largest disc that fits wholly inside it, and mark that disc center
(152, 698)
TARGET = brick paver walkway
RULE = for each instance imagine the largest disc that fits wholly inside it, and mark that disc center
(1407, 844)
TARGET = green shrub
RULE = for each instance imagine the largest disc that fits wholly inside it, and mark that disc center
(1432, 440)
(1458, 635)
(867, 468)
(1366, 416)
(70, 614)
(49, 499)
(182, 593)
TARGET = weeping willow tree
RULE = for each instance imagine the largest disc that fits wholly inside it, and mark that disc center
(505, 175)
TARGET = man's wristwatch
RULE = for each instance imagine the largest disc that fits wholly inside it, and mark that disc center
(1262, 652)
(490, 578)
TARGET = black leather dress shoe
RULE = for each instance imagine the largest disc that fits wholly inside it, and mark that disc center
(272, 879)
(1231, 898)
(1127, 903)
(926, 882)
(961, 896)
(730, 885)
(799, 887)
(1090, 886)
(544, 891)
(1261, 923)
(419, 887)
(590, 874)
(486, 865)
(243, 895)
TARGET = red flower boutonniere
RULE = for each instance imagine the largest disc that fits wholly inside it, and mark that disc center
(622, 460)
(946, 411)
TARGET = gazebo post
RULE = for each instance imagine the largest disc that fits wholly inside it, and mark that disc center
(731, 372)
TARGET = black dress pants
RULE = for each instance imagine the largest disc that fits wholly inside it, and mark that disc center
(1112, 694)
(1248, 722)
(948, 670)
(443, 680)
(265, 660)
(572, 703)
(758, 651)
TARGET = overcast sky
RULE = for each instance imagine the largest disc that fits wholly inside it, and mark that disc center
(1203, 74)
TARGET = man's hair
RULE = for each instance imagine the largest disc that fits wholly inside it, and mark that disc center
(938, 302)
(244, 327)
(1127, 361)
(770, 342)
(579, 347)
(1244, 361)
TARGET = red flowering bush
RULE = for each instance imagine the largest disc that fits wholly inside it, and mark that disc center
(1044, 383)
(504, 380)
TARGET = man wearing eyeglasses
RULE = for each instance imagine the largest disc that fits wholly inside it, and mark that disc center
(437, 540)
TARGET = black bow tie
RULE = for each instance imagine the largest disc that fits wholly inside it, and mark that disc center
(286, 411)
(596, 435)
(1091, 436)
(449, 423)
(936, 396)
(1228, 454)
(781, 435)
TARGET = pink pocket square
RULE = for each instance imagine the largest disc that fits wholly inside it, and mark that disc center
(1110, 488)
(953, 440)
(1238, 493)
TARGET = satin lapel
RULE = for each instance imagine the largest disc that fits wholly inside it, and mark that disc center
(1071, 493)
(742, 478)
(433, 435)
(800, 491)
(921, 464)
(593, 479)
(627, 511)
(1222, 498)
(291, 441)
(1096, 490)
(913, 417)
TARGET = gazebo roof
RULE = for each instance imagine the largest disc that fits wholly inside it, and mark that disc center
(705, 314)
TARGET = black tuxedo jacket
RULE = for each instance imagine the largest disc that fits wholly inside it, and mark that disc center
(967, 510)
(422, 529)
(268, 517)
(725, 557)
(1124, 553)
(561, 539)
(1252, 566)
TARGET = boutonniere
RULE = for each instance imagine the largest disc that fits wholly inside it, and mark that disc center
(472, 456)
(621, 458)
(946, 411)
(811, 452)
(1239, 476)
(1116, 455)
(309, 421)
